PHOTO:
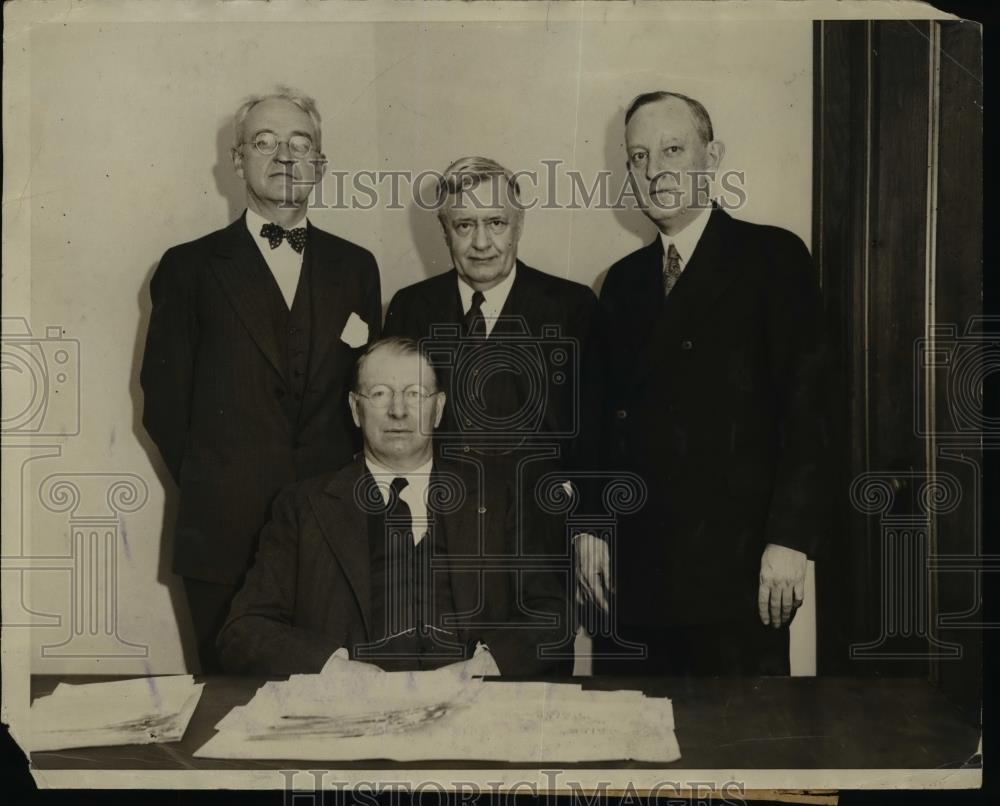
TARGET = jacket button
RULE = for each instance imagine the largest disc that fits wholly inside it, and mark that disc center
(466, 448)
(687, 344)
(621, 414)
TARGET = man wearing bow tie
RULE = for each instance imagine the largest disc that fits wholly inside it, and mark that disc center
(713, 393)
(396, 561)
(253, 334)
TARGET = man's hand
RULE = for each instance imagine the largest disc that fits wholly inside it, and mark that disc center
(593, 570)
(782, 584)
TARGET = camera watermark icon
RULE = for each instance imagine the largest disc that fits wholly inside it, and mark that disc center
(541, 368)
(958, 363)
(905, 615)
(952, 366)
(41, 381)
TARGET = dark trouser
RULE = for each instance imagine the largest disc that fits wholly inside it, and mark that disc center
(209, 605)
(743, 649)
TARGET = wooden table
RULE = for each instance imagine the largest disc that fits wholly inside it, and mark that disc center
(763, 723)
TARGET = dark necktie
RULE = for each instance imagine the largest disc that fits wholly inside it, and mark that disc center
(475, 323)
(296, 237)
(399, 519)
(671, 268)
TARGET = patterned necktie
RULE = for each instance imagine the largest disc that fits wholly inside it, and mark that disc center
(398, 516)
(274, 234)
(475, 323)
(671, 268)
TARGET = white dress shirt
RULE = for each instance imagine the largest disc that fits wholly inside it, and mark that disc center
(414, 493)
(687, 239)
(496, 298)
(283, 261)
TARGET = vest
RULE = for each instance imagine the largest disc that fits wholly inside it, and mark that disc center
(409, 600)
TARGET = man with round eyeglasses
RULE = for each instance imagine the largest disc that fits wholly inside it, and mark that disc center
(252, 338)
(398, 561)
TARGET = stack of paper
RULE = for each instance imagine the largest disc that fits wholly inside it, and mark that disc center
(411, 716)
(139, 711)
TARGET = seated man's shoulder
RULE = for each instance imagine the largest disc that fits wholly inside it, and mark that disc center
(298, 493)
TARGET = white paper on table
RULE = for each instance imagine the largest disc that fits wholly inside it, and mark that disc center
(138, 711)
(527, 722)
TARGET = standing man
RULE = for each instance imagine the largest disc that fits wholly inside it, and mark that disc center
(253, 335)
(713, 394)
(514, 340)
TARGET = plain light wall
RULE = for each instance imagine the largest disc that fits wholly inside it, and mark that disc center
(130, 136)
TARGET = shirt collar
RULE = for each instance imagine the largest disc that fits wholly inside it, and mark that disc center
(495, 297)
(255, 221)
(417, 479)
(687, 239)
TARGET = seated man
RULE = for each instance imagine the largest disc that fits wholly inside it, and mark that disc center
(395, 560)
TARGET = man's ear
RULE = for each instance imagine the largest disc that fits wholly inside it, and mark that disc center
(237, 155)
(439, 413)
(352, 401)
(716, 151)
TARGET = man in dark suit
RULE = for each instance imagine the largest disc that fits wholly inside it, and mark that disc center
(396, 560)
(510, 343)
(253, 335)
(713, 393)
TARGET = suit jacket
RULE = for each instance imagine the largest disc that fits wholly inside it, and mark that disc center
(551, 314)
(715, 396)
(217, 388)
(309, 591)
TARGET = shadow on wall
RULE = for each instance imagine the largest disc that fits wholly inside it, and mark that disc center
(164, 572)
(425, 229)
(229, 185)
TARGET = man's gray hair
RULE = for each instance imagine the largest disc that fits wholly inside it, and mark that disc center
(469, 172)
(304, 102)
(702, 120)
(399, 345)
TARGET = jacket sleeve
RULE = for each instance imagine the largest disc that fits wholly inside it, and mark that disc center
(397, 318)
(800, 507)
(373, 301)
(259, 636)
(168, 360)
(537, 595)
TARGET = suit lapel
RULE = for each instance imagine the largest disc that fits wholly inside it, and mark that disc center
(345, 526)
(329, 316)
(244, 276)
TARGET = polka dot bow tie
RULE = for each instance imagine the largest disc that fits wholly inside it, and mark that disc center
(296, 237)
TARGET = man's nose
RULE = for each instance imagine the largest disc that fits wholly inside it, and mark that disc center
(397, 407)
(481, 239)
(283, 154)
(653, 167)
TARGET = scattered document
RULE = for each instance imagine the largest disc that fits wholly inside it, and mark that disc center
(139, 711)
(427, 716)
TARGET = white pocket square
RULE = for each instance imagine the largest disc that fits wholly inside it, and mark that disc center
(355, 332)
